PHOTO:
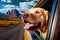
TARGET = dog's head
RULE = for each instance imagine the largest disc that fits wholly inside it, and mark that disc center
(35, 18)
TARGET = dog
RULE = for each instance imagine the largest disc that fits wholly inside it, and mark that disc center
(36, 19)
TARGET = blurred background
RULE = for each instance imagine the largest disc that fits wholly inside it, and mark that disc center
(11, 10)
(20, 5)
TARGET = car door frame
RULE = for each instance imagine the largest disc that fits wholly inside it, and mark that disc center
(53, 20)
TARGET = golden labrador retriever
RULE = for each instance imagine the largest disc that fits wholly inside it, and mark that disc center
(36, 19)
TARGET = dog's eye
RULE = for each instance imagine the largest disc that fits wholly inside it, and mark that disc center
(37, 12)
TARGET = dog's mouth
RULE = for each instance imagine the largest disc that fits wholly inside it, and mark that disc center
(32, 26)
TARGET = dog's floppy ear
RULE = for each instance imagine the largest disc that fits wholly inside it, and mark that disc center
(45, 14)
(46, 20)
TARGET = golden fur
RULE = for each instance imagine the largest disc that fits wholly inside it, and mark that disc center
(38, 15)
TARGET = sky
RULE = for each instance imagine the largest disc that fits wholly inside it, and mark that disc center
(20, 5)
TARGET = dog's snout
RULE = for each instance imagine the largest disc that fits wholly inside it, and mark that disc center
(25, 15)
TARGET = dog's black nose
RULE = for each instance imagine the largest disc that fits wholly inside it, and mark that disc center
(25, 15)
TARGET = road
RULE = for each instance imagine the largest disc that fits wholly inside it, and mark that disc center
(12, 33)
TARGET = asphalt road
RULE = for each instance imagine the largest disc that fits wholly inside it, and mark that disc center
(12, 33)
